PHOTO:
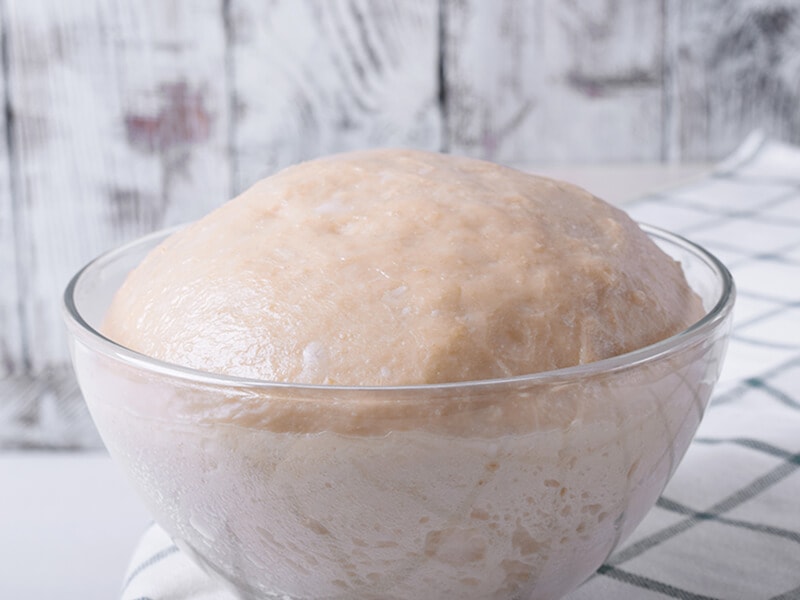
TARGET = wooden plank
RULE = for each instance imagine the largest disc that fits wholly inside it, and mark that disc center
(312, 77)
(11, 352)
(45, 410)
(548, 80)
(121, 128)
(735, 69)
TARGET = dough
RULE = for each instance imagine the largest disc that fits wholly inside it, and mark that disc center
(393, 267)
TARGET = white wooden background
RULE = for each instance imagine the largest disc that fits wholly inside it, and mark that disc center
(123, 116)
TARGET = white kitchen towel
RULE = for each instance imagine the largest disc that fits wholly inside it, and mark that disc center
(728, 525)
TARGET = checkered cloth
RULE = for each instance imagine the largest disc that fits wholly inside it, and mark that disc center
(728, 525)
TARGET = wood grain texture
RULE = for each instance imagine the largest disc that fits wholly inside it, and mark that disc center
(553, 80)
(120, 128)
(735, 67)
(45, 411)
(11, 344)
(312, 77)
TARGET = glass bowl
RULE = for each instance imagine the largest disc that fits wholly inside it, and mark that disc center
(514, 488)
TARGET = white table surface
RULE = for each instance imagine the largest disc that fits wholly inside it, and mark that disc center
(69, 521)
(68, 524)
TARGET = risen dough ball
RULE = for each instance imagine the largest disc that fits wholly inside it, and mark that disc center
(401, 267)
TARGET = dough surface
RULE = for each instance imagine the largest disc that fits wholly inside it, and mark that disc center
(397, 267)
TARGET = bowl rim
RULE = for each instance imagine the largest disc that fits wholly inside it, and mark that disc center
(698, 331)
